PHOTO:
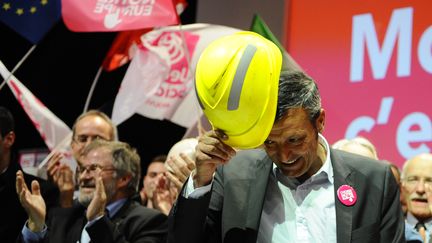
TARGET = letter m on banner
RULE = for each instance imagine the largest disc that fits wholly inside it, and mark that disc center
(102, 15)
(364, 35)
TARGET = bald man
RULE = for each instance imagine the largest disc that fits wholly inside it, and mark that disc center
(417, 191)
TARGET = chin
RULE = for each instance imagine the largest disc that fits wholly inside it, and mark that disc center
(85, 199)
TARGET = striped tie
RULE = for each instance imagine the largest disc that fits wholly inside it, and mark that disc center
(420, 227)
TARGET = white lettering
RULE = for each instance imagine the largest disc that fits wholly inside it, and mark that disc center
(424, 50)
(140, 10)
(366, 123)
(385, 109)
(405, 136)
(129, 2)
(99, 7)
(364, 34)
(363, 123)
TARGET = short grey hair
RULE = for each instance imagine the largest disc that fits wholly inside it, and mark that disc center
(125, 160)
(298, 90)
(422, 156)
(362, 141)
(97, 113)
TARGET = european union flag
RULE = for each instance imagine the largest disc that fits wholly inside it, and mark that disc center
(32, 19)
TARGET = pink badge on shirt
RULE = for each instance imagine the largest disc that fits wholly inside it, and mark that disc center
(347, 195)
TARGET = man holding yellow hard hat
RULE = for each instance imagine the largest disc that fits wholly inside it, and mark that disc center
(286, 184)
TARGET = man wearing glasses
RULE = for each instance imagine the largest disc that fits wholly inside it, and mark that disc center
(108, 176)
(417, 191)
(88, 126)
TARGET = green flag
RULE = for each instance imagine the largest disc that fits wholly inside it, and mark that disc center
(259, 26)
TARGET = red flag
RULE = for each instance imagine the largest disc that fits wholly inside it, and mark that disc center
(122, 49)
(102, 15)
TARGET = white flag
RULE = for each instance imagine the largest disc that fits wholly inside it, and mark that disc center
(55, 133)
(164, 91)
(50, 127)
(138, 84)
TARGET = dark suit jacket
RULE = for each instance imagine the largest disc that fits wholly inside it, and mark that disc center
(132, 223)
(232, 210)
(12, 214)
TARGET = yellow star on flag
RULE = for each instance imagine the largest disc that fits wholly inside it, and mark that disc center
(19, 11)
(6, 6)
(33, 9)
(44, 2)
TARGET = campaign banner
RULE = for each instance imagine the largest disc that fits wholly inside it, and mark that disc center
(372, 61)
(115, 15)
(159, 80)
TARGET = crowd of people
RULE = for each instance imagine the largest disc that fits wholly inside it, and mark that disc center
(295, 187)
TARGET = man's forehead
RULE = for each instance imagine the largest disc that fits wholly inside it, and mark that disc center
(97, 154)
(156, 166)
(419, 167)
(92, 121)
(93, 132)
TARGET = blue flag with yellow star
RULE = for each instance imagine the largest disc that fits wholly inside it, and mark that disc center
(32, 19)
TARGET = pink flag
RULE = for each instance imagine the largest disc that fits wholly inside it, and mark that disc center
(51, 128)
(159, 79)
(103, 15)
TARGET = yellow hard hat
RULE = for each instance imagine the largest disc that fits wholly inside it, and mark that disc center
(236, 81)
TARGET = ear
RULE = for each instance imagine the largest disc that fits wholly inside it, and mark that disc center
(124, 181)
(9, 139)
(320, 121)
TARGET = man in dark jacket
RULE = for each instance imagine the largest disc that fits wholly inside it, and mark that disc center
(108, 178)
(12, 214)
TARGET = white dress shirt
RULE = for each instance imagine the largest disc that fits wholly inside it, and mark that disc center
(294, 212)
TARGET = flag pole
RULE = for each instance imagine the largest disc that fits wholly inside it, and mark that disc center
(17, 66)
(95, 80)
(188, 59)
(64, 142)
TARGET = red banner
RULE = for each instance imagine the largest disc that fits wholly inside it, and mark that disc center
(372, 61)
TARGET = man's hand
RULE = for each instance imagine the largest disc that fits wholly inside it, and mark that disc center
(32, 202)
(210, 153)
(179, 169)
(62, 176)
(97, 205)
(162, 198)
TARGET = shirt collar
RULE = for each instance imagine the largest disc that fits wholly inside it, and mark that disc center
(412, 221)
(115, 206)
(326, 169)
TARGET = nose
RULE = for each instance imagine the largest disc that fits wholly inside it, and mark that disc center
(85, 175)
(88, 140)
(420, 187)
(284, 154)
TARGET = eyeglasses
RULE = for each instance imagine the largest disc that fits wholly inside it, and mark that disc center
(83, 139)
(412, 182)
(93, 168)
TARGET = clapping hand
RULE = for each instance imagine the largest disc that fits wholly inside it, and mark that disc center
(62, 176)
(97, 205)
(162, 198)
(179, 169)
(32, 202)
